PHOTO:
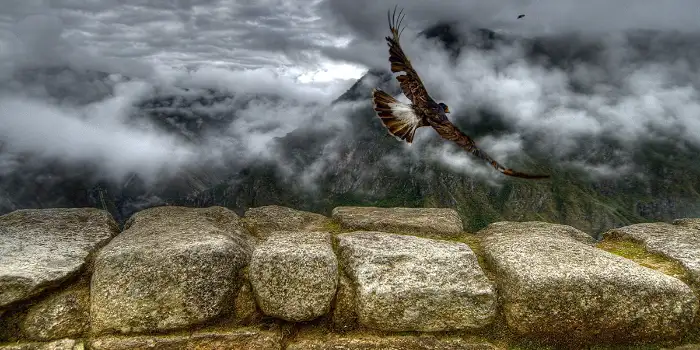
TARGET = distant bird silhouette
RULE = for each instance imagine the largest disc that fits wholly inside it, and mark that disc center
(402, 120)
(521, 16)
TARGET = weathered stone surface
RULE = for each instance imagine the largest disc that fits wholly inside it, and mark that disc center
(679, 242)
(62, 344)
(294, 275)
(544, 228)
(692, 223)
(430, 221)
(242, 338)
(171, 267)
(344, 316)
(63, 315)
(553, 286)
(686, 347)
(407, 283)
(40, 248)
(263, 221)
(392, 342)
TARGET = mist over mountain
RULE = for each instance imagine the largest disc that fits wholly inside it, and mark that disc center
(613, 118)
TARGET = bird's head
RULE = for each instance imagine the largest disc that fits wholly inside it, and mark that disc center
(444, 107)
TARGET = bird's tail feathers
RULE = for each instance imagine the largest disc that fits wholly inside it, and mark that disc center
(506, 171)
(511, 172)
(399, 118)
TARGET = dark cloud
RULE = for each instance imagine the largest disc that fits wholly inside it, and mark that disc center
(192, 32)
(629, 89)
(55, 107)
(623, 71)
(367, 18)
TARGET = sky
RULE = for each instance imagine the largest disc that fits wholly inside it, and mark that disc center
(309, 52)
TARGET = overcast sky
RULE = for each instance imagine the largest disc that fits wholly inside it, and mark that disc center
(311, 51)
(289, 33)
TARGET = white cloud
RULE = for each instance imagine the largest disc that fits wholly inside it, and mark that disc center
(163, 46)
(282, 48)
(85, 135)
(624, 94)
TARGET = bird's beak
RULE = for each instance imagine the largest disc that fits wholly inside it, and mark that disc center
(447, 109)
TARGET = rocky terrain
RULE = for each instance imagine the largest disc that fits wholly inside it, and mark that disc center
(179, 277)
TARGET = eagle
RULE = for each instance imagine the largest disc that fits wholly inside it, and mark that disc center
(402, 120)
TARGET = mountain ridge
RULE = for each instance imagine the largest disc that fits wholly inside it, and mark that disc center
(370, 168)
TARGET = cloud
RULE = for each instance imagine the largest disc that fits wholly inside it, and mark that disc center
(258, 81)
(598, 84)
(75, 87)
(227, 33)
(608, 76)
(367, 18)
(114, 133)
(75, 136)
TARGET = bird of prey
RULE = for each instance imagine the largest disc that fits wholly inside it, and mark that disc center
(520, 16)
(402, 120)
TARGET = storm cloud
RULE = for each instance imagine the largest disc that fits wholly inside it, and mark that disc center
(307, 53)
(54, 105)
(626, 71)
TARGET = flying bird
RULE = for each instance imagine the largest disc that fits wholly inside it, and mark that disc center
(521, 16)
(402, 120)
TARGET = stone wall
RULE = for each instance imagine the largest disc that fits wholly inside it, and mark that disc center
(365, 278)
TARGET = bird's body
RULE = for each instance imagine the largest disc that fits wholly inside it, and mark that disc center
(402, 120)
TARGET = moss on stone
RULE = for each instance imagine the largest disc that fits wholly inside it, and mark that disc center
(332, 226)
(249, 225)
(638, 253)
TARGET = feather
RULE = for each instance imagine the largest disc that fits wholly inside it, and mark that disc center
(450, 132)
(399, 118)
(402, 120)
(410, 82)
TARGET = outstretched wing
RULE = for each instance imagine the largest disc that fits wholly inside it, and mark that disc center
(410, 82)
(450, 132)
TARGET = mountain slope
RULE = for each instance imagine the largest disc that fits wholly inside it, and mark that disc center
(316, 169)
(665, 185)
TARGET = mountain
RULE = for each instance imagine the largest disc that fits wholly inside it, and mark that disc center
(40, 182)
(367, 167)
(667, 188)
